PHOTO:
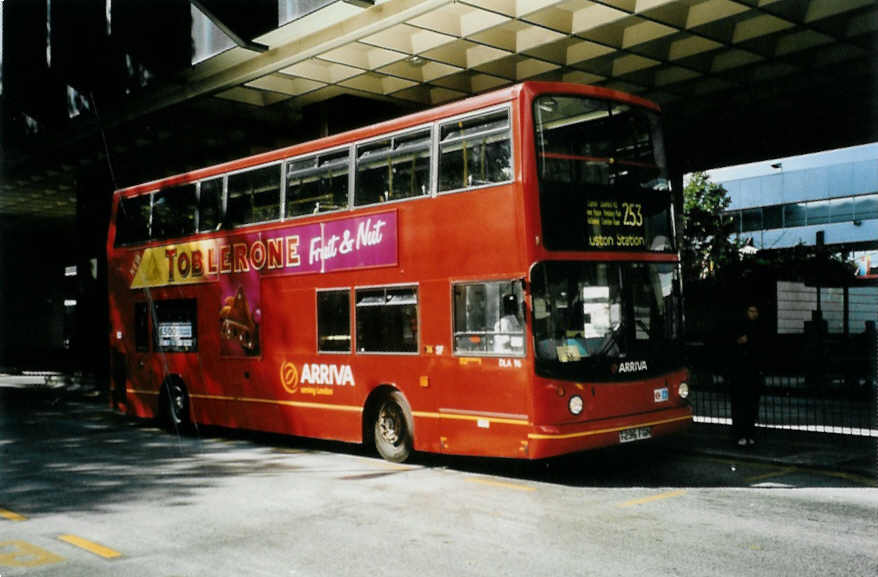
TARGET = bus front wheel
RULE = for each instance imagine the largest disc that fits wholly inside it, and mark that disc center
(393, 428)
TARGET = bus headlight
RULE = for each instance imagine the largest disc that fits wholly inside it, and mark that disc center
(683, 390)
(575, 404)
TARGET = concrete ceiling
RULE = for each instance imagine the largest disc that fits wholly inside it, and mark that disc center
(680, 53)
(433, 51)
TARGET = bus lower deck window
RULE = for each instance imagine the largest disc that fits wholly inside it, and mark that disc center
(489, 318)
(387, 320)
(333, 321)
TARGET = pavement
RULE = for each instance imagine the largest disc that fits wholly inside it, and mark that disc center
(844, 454)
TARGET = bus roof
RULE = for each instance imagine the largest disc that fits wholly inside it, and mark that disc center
(455, 108)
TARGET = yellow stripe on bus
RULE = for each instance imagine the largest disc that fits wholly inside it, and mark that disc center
(141, 392)
(602, 431)
(300, 404)
(429, 415)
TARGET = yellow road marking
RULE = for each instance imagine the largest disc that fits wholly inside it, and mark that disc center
(22, 554)
(512, 486)
(652, 498)
(9, 515)
(863, 480)
(779, 473)
(90, 546)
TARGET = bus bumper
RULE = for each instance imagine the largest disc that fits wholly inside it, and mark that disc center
(552, 440)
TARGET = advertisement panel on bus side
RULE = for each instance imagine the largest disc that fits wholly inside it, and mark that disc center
(238, 263)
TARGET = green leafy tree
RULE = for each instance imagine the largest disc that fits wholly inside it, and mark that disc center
(707, 245)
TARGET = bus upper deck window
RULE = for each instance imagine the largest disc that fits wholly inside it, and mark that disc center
(210, 205)
(393, 168)
(254, 196)
(132, 219)
(317, 184)
(173, 212)
(475, 152)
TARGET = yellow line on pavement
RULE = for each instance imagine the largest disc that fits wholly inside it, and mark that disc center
(652, 498)
(9, 515)
(779, 473)
(512, 486)
(90, 546)
(863, 480)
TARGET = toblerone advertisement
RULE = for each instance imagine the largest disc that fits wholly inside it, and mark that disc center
(237, 263)
(352, 243)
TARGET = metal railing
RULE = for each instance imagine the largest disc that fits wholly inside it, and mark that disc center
(791, 402)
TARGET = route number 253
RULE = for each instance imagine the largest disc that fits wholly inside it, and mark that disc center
(633, 215)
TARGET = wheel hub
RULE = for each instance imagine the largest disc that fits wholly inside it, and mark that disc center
(389, 420)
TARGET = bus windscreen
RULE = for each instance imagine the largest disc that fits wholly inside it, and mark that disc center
(605, 321)
(603, 176)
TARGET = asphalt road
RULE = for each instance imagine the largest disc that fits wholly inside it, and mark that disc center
(85, 492)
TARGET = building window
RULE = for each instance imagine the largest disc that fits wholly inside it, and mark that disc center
(866, 207)
(841, 210)
(334, 321)
(387, 320)
(751, 219)
(736, 221)
(794, 215)
(772, 217)
(818, 212)
(489, 318)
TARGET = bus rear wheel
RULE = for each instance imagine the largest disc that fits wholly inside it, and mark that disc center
(175, 406)
(393, 428)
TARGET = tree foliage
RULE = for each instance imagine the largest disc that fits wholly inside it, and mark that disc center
(707, 244)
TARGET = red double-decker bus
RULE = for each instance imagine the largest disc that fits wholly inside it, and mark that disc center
(494, 277)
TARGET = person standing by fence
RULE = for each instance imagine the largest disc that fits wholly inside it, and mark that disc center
(746, 382)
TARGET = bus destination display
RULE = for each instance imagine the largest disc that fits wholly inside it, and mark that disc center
(615, 224)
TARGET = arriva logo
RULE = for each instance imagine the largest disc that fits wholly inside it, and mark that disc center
(632, 366)
(324, 375)
(321, 374)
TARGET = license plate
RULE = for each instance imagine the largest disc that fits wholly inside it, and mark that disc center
(660, 395)
(637, 434)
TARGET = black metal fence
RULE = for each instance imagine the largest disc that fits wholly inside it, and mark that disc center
(833, 403)
(790, 402)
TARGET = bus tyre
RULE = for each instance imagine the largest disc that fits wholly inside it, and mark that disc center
(175, 406)
(393, 428)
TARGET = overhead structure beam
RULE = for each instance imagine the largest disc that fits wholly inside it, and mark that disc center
(289, 45)
(228, 30)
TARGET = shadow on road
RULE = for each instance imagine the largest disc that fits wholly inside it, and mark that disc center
(61, 453)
